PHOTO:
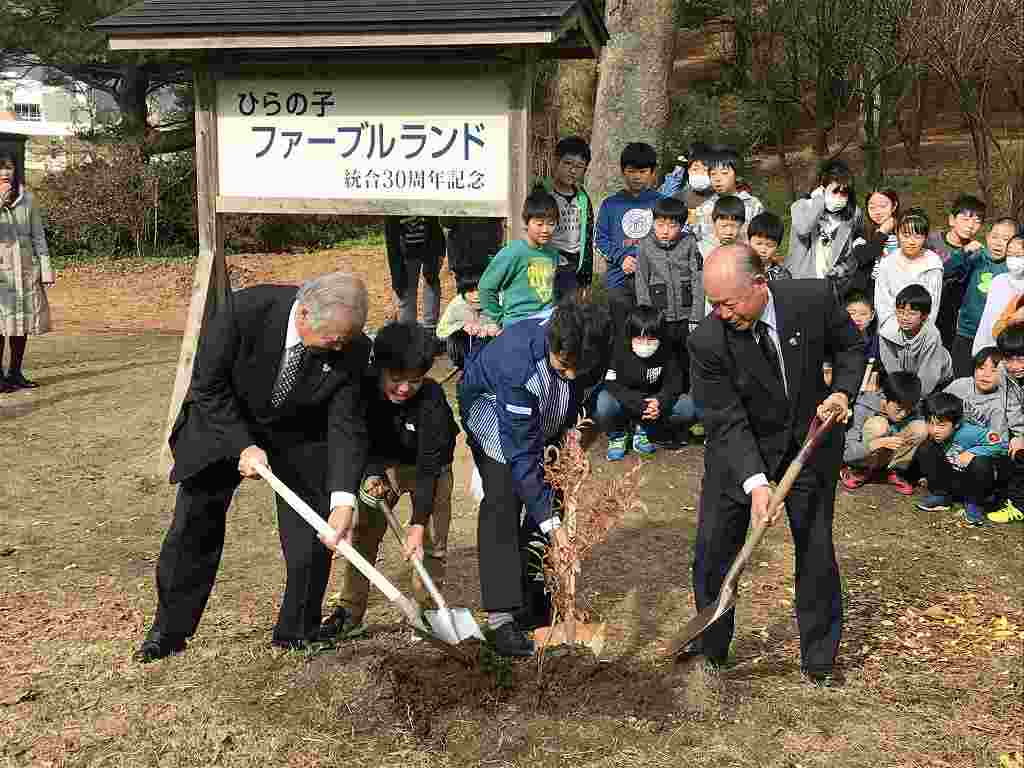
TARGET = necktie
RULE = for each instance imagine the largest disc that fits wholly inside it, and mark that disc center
(289, 372)
(771, 354)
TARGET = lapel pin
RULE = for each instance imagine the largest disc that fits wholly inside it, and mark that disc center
(794, 340)
(326, 368)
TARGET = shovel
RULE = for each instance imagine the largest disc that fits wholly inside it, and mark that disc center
(453, 625)
(727, 596)
(408, 607)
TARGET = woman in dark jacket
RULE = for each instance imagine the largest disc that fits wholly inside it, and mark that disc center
(879, 241)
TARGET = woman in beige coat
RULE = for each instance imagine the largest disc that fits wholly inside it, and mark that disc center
(24, 270)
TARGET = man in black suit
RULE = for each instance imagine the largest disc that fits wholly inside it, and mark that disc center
(276, 382)
(757, 367)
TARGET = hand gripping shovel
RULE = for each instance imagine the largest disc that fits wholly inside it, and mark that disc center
(727, 596)
(408, 607)
(453, 625)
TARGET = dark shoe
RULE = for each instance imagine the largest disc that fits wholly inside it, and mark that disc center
(691, 657)
(17, 380)
(340, 626)
(5, 387)
(823, 678)
(510, 640)
(157, 646)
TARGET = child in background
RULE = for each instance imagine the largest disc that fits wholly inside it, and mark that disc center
(520, 280)
(1011, 383)
(1005, 290)
(880, 240)
(764, 233)
(573, 237)
(984, 402)
(825, 226)
(863, 316)
(643, 386)
(668, 277)
(728, 218)
(885, 434)
(913, 344)
(966, 216)
(415, 245)
(698, 181)
(976, 268)
(958, 458)
(460, 317)
(623, 221)
(911, 264)
(723, 163)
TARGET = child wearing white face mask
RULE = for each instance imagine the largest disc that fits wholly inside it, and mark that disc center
(1005, 298)
(643, 386)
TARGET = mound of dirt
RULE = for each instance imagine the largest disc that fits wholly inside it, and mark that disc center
(426, 687)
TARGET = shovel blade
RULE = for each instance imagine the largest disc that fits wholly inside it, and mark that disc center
(590, 635)
(699, 623)
(462, 625)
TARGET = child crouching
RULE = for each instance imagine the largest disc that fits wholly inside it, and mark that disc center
(643, 387)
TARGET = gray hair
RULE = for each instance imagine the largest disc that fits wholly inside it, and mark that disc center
(742, 256)
(333, 296)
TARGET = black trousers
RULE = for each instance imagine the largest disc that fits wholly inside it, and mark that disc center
(192, 548)
(963, 360)
(1011, 479)
(973, 484)
(621, 299)
(724, 517)
(677, 332)
(506, 584)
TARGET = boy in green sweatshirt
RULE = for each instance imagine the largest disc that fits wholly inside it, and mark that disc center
(520, 280)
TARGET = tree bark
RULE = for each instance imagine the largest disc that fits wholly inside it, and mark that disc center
(577, 89)
(632, 92)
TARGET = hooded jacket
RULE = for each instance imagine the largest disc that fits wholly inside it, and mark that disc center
(806, 215)
(631, 379)
(896, 273)
(986, 409)
(670, 278)
(923, 355)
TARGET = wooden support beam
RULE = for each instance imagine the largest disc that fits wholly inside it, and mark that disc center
(138, 42)
(519, 142)
(210, 289)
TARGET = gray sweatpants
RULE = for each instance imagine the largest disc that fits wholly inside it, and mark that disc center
(408, 305)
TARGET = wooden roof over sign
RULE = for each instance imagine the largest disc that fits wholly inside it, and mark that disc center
(212, 24)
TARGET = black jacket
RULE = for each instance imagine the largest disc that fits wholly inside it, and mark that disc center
(632, 380)
(431, 252)
(751, 424)
(420, 432)
(227, 407)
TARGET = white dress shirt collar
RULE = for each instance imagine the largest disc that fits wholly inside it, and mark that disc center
(292, 338)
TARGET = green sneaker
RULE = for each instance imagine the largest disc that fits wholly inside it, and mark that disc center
(616, 447)
(641, 443)
(697, 429)
(1008, 513)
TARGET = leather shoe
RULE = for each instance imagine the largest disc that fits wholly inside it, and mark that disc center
(340, 626)
(157, 646)
(5, 387)
(510, 640)
(17, 380)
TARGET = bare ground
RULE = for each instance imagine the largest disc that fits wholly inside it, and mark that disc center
(932, 652)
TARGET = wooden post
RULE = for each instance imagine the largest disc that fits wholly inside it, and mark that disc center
(519, 142)
(210, 287)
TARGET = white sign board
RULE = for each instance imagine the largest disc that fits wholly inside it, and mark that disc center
(386, 138)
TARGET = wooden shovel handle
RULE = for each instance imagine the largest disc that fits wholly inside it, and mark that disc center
(868, 370)
(816, 431)
(417, 564)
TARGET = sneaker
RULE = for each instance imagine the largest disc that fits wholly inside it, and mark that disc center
(973, 514)
(1008, 513)
(697, 429)
(936, 502)
(641, 444)
(851, 478)
(901, 485)
(510, 640)
(616, 447)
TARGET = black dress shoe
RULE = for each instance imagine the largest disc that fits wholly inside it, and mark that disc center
(340, 626)
(510, 640)
(5, 387)
(157, 646)
(17, 380)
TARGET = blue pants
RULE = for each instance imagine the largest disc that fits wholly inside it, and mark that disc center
(611, 418)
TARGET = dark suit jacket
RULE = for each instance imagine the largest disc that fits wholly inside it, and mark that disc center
(751, 425)
(227, 407)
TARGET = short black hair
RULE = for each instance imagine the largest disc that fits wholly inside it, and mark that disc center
(638, 154)
(723, 156)
(403, 347)
(644, 320)
(578, 333)
(916, 297)
(944, 406)
(572, 145)
(767, 225)
(915, 220)
(729, 207)
(903, 388)
(540, 204)
(968, 204)
(1010, 342)
(837, 171)
(1007, 220)
(698, 151)
(16, 180)
(985, 354)
(858, 297)
(670, 208)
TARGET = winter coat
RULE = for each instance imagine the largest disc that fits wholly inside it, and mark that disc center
(632, 380)
(24, 268)
(585, 262)
(923, 355)
(670, 278)
(987, 410)
(893, 277)
(843, 270)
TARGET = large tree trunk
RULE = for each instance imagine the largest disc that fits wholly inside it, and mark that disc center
(912, 127)
(577, 88)
(632, 93)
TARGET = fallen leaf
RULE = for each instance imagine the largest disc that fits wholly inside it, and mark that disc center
(936, 612)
